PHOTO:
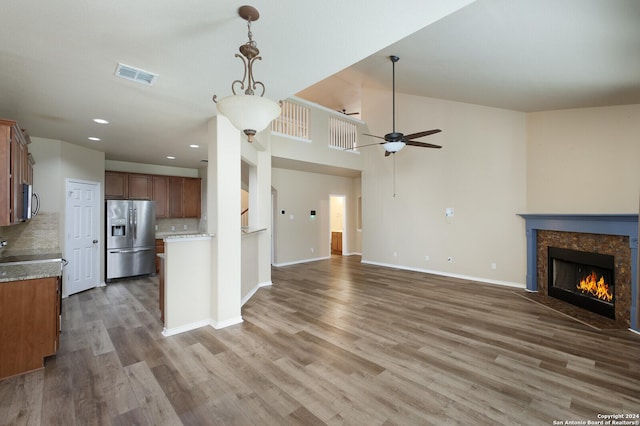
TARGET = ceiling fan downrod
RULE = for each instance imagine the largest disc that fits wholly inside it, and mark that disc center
(394, 59)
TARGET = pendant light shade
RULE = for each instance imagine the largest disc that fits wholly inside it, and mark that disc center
(248, 112)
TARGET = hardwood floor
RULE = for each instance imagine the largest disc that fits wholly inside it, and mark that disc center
(331, 342)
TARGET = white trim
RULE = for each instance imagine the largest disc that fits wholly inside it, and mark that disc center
(354, 253)
(295, 138)
(295, 262)
(226, 323)
(446, 274)
(634, 331)
(254, 290)
(353, 151)
(323, 108)
(166, 332)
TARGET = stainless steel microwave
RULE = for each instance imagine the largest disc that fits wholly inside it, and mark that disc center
(30, 202)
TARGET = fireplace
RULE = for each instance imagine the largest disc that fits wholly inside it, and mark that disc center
(584, 279)
(615, 235)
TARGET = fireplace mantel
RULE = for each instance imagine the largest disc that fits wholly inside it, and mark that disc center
(607, 224)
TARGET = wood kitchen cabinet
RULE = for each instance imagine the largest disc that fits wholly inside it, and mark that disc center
(159, 250)
(14, 171)
(192, 197)
(30, 318)
(116, 185)
(160, 195)
(175, 196)
(184, 197)
(140, 187)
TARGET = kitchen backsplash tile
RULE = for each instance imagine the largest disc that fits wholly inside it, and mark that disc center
(41, 232)
(164, 225)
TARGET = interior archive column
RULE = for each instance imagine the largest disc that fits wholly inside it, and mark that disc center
(223, 201)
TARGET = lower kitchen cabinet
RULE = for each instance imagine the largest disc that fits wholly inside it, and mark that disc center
(30, 324)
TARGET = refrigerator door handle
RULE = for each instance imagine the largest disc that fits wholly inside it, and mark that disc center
(121, 251)
(135, 224)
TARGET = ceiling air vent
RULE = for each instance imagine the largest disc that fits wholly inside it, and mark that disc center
(136, 74)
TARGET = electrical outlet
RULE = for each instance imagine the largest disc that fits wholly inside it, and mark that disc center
(185, 227)
(173, 228)
(449, 259)
(395, 254)
(494, 266)
(311, 249)
(426, 258)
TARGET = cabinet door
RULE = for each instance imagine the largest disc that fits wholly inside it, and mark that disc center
(5, 181)
(115, 185)
(161, 195)
(18, 173)
(192, 197)
(29, 316)
(176, 193)
(140, 187)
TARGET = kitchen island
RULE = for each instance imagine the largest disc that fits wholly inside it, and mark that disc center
(30, 290)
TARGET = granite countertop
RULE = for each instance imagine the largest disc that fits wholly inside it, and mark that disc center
(19, 265)
(165, 234)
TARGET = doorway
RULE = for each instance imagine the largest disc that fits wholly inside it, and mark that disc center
(337, 223)
(82, 248)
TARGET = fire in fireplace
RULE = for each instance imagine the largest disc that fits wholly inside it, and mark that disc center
(584, 279)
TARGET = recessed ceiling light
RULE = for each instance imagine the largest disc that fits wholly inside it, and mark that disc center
(193, 145)
(93, 138)
(171, 157)
(100, 121)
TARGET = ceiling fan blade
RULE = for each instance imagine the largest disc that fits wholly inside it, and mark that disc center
(362, 146)
(373, 136)
(421, 134)
(422, 144)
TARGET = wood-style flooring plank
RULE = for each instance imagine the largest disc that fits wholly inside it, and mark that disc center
(333, 342)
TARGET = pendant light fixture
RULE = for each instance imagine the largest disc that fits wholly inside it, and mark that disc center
(248, 112)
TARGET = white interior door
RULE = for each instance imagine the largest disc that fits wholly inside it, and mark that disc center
(82, 249)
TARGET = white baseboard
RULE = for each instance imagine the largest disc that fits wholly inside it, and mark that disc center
(187, 327)
(296, 262)
(447, 274)
(353, 253)
(253, 291)
(226, 323)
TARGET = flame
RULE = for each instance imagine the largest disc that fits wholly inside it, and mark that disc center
(596, 287)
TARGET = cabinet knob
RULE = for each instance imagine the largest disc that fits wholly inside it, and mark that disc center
(95, 241)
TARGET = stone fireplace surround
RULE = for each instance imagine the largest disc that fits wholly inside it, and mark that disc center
(615, 234)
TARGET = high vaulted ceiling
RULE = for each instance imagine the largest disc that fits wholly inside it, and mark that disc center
(57, 61)
(526, 55)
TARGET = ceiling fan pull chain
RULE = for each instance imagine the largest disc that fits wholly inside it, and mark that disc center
(394, 174)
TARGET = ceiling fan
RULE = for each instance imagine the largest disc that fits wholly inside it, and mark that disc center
(395, 141)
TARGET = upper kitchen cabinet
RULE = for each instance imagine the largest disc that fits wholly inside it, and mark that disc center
(175, 196)
(133, 186)
(184, 197)
(161, 195)
(140, 186)
(116, 185)
(15, 171)
(192, 197)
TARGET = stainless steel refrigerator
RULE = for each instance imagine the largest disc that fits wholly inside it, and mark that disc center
(130, 238)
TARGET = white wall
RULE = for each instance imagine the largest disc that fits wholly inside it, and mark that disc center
(56, 161)
(296, 232)
(584, 160)
(480, 173)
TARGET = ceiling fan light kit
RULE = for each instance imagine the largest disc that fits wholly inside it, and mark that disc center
(248, 112)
